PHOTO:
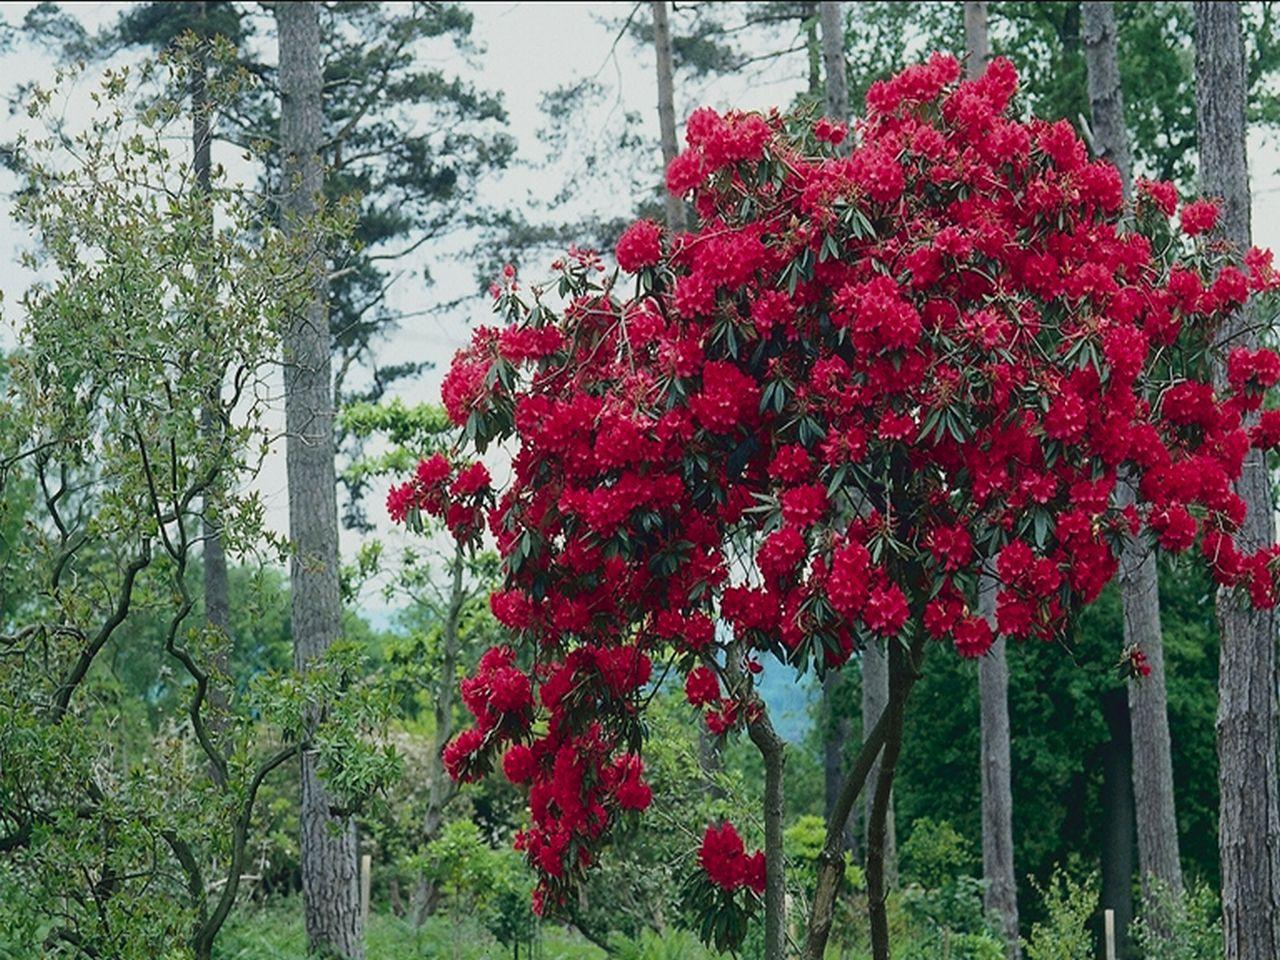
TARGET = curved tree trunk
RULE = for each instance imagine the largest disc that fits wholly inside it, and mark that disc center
(674, 205)
(329, 848)
(1152, 761)
(1249, 810)
(217, 605)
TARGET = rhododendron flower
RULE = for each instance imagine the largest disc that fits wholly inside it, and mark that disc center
(639, 246)
(830, 131)
(701, 687)
(973, 636)
(724, 859)
(518, 764)
(1199, 217)
(855, 386)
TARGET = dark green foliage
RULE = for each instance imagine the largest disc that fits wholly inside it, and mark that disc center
(1059, 730)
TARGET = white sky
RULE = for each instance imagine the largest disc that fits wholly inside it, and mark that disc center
(525, 50)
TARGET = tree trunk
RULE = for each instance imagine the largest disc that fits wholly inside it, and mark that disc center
(329, 845)
(830, 870)
(875, 698)
(903, 669)
(440, 789)
(812, 47)
(1118, 819)
(836, 100)
(1106, 98)
(1249, 813)
(773, 753)
(667, 109)
(977, 43)
(833, 62)
(217, 605)
(1152, 761)
(836, 732)
(1001, 895)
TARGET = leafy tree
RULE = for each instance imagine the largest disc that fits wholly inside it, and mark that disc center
(129, 843)
(407, 141)
(668, 437)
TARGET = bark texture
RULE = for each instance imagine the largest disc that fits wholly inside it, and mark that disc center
(977, 43)
(831, 861)
(1117, 811)
(1106, 99)
(903, 667)
(674, 206)
(773, 753)
(833, 62)
(1001, 895)
(329, 845)
(1249, 813)
(1151, 761)
(875, 698)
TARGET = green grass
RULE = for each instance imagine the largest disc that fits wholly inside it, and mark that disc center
(275, 932)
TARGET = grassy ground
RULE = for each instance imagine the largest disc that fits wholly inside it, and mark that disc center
(275, 932)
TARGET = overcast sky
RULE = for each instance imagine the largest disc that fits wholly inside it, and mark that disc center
(525, 50)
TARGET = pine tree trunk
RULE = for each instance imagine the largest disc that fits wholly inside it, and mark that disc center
(833, 63)
(1001, 895)
(1118, 819)
(977, 43)
(667, 109)
(812, 46)
(1249, 812)
(329, 845)
(1106, 98)
(875, 698)
(836, 101)
(1151, 759)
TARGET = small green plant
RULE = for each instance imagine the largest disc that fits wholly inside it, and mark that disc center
(1069, 903)
(942, 899)
(1186, 926)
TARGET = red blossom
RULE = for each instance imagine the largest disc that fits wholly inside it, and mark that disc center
(854, 386)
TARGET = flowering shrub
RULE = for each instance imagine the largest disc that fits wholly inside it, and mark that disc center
(860, 383)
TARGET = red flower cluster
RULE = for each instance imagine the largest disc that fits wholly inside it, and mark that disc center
(438, 489)
(861, 382)
(724, 858)
(640, 246)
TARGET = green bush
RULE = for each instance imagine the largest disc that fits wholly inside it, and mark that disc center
(1069, 903)
(1186, 927)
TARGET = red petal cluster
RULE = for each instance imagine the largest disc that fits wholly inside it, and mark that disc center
(860, 382)
(724, 858)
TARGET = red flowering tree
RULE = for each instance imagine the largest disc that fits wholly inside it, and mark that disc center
(815, 421)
